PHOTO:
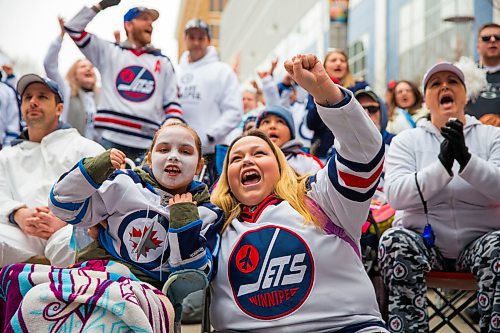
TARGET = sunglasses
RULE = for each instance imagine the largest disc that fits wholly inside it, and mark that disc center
(371, 109)
(487, 38)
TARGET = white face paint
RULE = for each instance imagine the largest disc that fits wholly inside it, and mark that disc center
(174, 159)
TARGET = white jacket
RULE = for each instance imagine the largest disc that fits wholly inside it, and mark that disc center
(29, 169)
(210, 97)
(461, 207)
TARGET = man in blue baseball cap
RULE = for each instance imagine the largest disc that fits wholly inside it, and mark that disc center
(138, 23)
(139, 86)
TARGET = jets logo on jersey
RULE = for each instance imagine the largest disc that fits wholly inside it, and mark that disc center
(271, 272)
(135, 83)
(143, 236)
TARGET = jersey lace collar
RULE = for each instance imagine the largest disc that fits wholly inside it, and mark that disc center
(252, 213)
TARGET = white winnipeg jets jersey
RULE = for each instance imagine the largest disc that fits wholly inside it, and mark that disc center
(277, 273)
(139, 86)
(138, 230)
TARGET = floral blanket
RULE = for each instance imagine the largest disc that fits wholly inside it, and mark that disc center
(94, 296)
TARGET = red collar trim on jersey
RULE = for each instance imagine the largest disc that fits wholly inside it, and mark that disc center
(252, 214)
(137, 52)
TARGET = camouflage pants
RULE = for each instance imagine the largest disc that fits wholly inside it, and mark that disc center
(404, 261)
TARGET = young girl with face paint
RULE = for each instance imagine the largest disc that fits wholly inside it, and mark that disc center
(159, 219)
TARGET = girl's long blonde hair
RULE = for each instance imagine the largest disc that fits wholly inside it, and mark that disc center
(71, 78)
(289, 187)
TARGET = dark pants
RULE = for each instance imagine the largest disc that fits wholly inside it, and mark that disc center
(404, 261)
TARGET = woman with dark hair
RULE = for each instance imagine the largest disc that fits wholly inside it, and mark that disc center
(406, 108)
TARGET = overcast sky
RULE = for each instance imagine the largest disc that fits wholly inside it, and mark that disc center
(27, 27)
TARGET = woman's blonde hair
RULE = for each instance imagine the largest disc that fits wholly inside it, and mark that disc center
(348, 80)
(71, 78)
(289, 187)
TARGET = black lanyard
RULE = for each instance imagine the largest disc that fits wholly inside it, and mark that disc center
(428, 234)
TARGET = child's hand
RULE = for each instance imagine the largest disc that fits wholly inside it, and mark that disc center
(309, 73)
(183, 210)
(117, 158)
(180, 198)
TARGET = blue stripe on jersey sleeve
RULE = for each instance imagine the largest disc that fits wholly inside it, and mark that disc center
(71, 206)
(186, 227)
(81, 214)
(362, 167)
(87, 176)
(172, 103)
(347, 192)
(85, 43)
(197, 264)
(356, 167)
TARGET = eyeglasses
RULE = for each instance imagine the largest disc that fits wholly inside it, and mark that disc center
(371, 109)
(487, 38)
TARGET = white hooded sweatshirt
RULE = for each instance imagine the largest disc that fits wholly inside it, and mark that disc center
(210, 97)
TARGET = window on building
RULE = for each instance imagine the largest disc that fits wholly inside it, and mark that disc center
(357, 59)
(216, 5)
(425, 37)
(214, 30)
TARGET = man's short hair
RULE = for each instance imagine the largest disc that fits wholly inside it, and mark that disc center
(487, 25)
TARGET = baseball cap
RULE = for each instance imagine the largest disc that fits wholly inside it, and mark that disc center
(28, 79)
(368, 93)
(197, 24)
(136, 11)
(442, 67)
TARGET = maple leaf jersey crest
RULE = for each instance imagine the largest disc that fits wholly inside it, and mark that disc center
(144, 236)
(144, 240)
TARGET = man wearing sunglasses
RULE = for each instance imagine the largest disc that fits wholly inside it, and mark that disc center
(487, 106)
(376, 110)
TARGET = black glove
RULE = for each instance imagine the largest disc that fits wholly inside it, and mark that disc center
(454, 132)
(108, 3)
(446, 155)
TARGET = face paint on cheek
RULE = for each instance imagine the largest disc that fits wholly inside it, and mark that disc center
(186, 164)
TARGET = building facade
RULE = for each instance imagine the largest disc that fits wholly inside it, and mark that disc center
(400, 39)
(253, 33)
(385, 39)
